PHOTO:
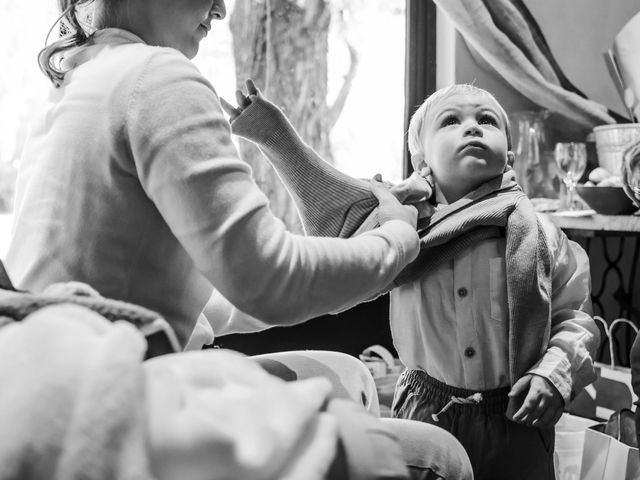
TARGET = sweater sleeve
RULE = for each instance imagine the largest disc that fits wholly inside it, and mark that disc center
(187, 165)
(330, 202)
(568, 361)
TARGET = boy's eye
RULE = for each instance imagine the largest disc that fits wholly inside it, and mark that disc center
(449, 120)
(487, 119)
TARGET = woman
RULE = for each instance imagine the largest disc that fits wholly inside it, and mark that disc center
(129, 182)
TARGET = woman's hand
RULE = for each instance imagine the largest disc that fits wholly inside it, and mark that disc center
(417, 190)
(243, 100)
(390, 208)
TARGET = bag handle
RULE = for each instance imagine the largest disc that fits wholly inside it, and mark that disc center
(381, 352)
(608, 331)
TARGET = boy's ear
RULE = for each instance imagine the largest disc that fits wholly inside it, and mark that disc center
(418, 161)
(511, 158)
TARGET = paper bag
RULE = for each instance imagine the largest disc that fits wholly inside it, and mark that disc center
(385, 370)
(605, 458)
(569, 443)
(612, 389)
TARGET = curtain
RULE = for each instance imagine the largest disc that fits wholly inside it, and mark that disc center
(507, 37)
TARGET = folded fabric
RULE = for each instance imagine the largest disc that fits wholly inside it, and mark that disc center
(73, 398)
(215, 414)
(161, 339)
(78, 402)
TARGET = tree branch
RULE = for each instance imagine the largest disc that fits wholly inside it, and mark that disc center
(338, 105)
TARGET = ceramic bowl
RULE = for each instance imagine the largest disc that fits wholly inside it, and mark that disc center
(606, 200)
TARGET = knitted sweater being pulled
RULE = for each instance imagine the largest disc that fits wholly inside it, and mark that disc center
(333, 204)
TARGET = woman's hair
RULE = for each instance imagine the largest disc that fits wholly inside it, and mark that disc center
(73, 30)
(414, 135)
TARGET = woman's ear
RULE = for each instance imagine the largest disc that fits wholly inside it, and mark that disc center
(511, 158)
(418, 161)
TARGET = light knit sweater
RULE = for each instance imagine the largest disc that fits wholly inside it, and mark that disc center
(130, 182)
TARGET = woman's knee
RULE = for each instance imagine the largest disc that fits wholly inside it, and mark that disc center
(349, 376)
(431, 448)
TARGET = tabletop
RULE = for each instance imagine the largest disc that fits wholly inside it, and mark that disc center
(624, 224)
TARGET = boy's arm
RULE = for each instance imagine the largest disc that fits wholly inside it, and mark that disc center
(568, 361)
(330, 202)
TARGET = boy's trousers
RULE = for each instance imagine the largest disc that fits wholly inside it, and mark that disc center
(497, 447)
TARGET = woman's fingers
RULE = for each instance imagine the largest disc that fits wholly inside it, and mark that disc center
(425, 209)
(389, 208)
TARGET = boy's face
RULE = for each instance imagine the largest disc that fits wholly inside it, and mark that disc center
(465, 143)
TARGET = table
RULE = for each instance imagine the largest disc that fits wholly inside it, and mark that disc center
(613, 273)
(627, 225)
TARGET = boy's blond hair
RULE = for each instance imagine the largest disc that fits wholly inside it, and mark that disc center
(414, 135)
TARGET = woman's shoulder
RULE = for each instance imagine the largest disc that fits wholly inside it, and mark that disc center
(158, 62)
(151, 72)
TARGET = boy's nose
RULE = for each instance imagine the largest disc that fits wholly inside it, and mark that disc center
(473, 129)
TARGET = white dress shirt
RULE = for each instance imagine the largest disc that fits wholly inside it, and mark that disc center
(453, 322)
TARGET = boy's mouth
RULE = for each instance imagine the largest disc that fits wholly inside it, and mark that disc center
(473, 144)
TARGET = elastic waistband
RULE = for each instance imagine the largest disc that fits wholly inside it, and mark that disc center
(493, 401)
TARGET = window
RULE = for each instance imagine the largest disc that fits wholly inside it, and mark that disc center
(22, 87)
(335, 66)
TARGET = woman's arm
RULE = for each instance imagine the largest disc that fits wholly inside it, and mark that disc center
(330, 202)
(188, 166)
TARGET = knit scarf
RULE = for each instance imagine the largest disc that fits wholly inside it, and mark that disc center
(497, 208)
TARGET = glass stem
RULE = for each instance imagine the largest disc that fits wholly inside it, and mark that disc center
(568, 181)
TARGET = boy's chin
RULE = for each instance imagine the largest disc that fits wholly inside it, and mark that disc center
(483, 174)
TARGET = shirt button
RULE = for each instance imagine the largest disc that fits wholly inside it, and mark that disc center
(462, 292)
(469, 352)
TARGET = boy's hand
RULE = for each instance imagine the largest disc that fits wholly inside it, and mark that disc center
(543, 405)
(243, 100)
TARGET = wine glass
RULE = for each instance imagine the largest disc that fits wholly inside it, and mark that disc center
(571, 158)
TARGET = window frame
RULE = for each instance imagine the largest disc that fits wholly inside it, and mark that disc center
(420, 61)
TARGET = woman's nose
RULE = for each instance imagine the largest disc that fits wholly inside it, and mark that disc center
(218, 10)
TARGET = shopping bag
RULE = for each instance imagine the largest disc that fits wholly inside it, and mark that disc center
(612, 389)
(569, 443)
(385, 370)
(607, 458)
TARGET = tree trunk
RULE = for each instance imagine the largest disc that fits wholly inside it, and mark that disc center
(282, 45)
